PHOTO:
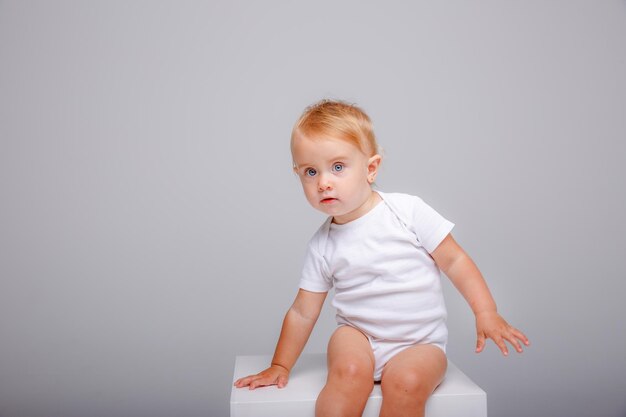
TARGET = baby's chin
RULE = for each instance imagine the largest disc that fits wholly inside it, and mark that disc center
(331, 209)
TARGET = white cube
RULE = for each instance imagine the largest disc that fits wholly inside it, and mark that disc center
(457, 396)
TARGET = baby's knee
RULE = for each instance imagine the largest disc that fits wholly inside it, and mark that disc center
(408, 383)
(346, 391)
(351, 371)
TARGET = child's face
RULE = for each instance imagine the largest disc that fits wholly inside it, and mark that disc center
(336, 176)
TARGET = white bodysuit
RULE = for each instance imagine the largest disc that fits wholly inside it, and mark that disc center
(386, 283)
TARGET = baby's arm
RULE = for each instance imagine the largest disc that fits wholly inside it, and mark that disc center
(297, 327)
(466, 277)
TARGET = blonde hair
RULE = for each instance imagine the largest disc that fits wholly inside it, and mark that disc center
(337, 119)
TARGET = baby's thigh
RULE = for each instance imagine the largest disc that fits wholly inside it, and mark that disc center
(350, 354)
(417, 369)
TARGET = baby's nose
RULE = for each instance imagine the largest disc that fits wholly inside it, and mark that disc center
(324, 183)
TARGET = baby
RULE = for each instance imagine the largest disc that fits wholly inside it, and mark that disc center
(382, 253)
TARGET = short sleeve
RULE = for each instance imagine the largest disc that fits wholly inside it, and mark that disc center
(315, 274)
(429, 226)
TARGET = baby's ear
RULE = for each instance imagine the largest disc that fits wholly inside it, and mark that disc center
(372, 167)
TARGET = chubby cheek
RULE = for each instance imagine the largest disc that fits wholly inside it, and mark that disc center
(310, 192)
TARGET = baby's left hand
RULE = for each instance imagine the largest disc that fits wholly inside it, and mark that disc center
(491, 325)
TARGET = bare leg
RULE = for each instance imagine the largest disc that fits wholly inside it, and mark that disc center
(350, 375)
(409, 378)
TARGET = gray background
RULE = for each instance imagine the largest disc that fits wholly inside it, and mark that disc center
(151, 228)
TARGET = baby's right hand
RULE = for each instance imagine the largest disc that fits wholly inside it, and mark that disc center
(274, 375)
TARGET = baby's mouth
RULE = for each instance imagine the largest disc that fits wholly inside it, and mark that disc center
(328, 200)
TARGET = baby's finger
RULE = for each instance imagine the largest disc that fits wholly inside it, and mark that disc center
(242, 382)
(480, 343)
(521, 336)
(247, 381)
(499, 341)
(262, 382)
(282, 381)
(254, 383)
(513, 341)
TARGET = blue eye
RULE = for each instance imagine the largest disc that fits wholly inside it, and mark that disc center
(310, 172)
(338, 167)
